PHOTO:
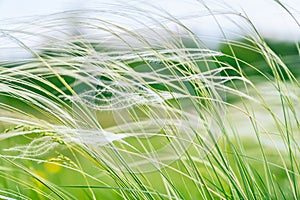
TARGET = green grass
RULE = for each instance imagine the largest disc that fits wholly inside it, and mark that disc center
(148, 113)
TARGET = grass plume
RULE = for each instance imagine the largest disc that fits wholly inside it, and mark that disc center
(110, 110)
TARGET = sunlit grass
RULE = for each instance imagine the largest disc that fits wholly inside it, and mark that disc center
(114, 112)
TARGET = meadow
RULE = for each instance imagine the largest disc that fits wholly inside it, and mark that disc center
(147, 110)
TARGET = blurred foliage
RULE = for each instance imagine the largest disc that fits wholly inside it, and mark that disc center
(243, 53)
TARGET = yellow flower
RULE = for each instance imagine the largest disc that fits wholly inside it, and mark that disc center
(52, 167)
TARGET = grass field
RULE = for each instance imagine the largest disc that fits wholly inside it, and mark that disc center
(109, 111)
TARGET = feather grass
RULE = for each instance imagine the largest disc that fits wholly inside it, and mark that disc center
(120, 112)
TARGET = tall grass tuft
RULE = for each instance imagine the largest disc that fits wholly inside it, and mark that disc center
(143, 108)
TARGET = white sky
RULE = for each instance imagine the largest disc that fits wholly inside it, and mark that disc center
(268, 17)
